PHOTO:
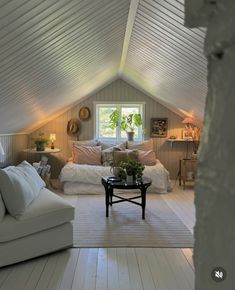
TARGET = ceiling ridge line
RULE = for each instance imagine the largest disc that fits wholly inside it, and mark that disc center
(129, 27)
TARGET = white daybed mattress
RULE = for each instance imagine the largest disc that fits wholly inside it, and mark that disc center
(86, 179)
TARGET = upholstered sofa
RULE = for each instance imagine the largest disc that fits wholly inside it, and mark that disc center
(43, 226)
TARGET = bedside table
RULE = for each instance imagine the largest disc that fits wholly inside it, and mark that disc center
(46, 176)
(187, 171)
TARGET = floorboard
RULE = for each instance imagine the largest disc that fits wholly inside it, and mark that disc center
(134, 271)
(81, 268)
(123, 271)
(69, 271)
(36, 273)
(102, 270)
(145, 272)
(181, 271)
(113, 268)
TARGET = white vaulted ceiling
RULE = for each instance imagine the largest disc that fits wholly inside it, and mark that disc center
(167, 58)
(54, 52)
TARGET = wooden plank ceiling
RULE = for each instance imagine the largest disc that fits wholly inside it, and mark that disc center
(167, 58)
(55, 52)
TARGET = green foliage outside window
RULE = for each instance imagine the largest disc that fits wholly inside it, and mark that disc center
(127, 123)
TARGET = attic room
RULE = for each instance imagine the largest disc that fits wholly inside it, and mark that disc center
(115, 144)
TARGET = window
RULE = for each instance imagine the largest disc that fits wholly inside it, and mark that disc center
(103, 111)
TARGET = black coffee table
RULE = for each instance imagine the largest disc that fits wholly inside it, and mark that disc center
(110, 185)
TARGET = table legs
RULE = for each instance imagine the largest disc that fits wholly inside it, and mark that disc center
(143, 197)
(107, 201)
(111, 196)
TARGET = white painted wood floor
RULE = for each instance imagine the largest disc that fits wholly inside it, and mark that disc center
(112, 268)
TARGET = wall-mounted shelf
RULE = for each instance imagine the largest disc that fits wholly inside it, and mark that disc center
(178, 140)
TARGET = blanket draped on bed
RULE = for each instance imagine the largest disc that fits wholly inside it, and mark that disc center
(73, 174)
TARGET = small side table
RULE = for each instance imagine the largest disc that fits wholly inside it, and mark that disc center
(46, 151)
(40, 154)
(185, 166)
(111, 185)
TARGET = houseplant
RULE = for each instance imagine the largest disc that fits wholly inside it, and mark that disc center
(132, 169)
(127, 123)
(40, 142)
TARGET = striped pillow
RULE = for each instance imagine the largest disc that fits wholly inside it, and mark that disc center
(147, 158)
(90, 155)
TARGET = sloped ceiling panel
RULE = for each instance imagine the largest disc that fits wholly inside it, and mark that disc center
(52, 48)
(166, 58)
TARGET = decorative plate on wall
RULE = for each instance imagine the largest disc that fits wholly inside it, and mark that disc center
(84, 113)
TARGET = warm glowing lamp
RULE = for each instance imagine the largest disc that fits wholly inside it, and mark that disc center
(188, 120)
(52, 139)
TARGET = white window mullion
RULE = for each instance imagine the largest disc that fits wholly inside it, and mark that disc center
(118, 127)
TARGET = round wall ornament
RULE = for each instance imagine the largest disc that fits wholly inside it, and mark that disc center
(73, 127)
(84, 113)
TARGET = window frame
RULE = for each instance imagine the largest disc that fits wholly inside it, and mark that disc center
(119, 105)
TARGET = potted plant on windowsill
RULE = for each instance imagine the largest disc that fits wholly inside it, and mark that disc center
(127, 123)
(40, 142)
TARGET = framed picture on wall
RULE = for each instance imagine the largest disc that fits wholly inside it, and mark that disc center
(158, 127)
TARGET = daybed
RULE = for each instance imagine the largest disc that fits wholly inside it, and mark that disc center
(32, 223)
(86, 179)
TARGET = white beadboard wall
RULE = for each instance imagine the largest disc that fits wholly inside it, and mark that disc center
(13, 146)
(119, 90)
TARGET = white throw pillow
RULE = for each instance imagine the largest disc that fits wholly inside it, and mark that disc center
(2, 209)
(31, 172)
(121, 146)
(144, 145)
(107, 155)
(18, 189)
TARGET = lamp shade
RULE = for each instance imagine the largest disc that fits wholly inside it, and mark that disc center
(52, 137)
(1, 150)
(188, 120)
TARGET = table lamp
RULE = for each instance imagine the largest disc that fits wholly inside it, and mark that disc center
(187, 121)
(52, 139)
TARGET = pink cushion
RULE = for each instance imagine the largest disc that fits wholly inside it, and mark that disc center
(90, 155)
(147, 157)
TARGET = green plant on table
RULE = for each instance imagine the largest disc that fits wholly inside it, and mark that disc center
(132, 168)
(40, 142)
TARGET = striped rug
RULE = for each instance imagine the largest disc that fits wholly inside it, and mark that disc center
(125, 228)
